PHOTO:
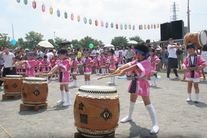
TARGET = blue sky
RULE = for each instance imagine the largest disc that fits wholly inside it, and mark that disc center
(24, 18)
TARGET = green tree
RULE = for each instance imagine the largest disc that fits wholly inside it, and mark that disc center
(136, 38)
(119, 41)
(4, 39)
(53, 42)
(75, 43)
(58, 40)
(84, 42)
(22, 43)
(33, 38)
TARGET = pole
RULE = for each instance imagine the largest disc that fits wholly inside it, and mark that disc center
(12, 31)
(188, 13)
(54, 35)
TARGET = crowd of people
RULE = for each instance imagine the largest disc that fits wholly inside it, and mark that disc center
(140, 63)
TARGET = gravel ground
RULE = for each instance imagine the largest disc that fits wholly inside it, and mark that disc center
(176, 117)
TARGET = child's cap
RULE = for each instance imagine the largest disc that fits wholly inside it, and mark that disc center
(152, 50)
(191, 45)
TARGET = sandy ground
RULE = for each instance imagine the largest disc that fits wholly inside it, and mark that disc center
(176, 117)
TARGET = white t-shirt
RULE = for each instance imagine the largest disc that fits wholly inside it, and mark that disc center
(49, 55)
(124, 52)
(172, 52)
(8, 61)
(117, 53)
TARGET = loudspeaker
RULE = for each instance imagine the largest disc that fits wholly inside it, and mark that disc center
(177, 28)
(165, 31)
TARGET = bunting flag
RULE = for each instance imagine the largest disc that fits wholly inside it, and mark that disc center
(96, 22)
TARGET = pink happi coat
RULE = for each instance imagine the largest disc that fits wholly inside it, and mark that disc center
(97, 61)
(30, 67)
(200, 61)
(74, 63)
(154, 59)
(64, 71)
(102, 61)
(120, 60)
(109, 60)
(87, 69)
(143, 72)
(46, 63)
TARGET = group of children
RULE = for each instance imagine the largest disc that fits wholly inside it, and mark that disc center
(141, 69)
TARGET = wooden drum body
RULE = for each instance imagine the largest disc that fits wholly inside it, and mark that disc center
(96, 111)
(13, 84)
(34, 91)
(198, 38)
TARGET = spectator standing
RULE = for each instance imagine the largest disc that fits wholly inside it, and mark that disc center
(179, 53)
(129, 54)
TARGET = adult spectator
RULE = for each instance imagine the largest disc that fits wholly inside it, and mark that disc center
(172, 58)
(39, 52)
(179, 53)
(50, 54)
(116, 52)
(149, 45)
(9, 59)
(129, 54)
(124, 51)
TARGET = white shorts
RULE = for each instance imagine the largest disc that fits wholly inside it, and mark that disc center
(87, 73)
(193, 79)
(74, 73)
(154, 71)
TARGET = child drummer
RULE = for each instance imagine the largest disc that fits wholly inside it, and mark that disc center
(139, 85)
(192, 66)
(74, 66)
(64, 67)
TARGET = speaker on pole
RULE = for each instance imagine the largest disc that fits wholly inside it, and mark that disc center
(165, 31)
(177, 29)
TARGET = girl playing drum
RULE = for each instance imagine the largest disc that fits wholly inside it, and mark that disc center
(139, 85)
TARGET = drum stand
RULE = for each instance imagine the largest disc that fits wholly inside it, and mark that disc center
(5, 96)
(78, 135)
(34, 107)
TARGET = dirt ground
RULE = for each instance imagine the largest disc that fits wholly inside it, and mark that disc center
(176, 117)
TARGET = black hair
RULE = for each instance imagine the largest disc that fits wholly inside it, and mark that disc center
(62, 51)
(153, 50)
(51, 50)
(142, 47)
(191, 45)
(111, 51)
(45, 56)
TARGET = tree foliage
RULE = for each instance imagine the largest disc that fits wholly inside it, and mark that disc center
(119, 41)
(4, 39)
(84, 42)
(33, 38)
(136, 38)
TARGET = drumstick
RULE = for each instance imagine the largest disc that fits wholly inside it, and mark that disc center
(110, 75)
(6, 131)
(11, 66)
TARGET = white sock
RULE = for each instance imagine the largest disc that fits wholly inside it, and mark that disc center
(68, 96)
(89, 82)
(97, 71)
(131, 110)
(62, 95)
(152, 114)
(102, 70)
(154, 80)
(197, 96)
(75, 82)
(107, 71)
(113, 79)
(86, 82)
(189, 96)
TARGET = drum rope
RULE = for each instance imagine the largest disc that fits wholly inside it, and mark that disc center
(6, 132)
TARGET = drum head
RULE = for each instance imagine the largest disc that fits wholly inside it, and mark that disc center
(97, 89)
(203, 38)
(34, 79)
(13, 76)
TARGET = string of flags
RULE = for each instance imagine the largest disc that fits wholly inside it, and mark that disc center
(95, 21)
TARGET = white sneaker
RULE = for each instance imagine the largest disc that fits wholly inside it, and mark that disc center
(196, 101)
(154, 130)
(153, 85)
(188, 100)
(125, 119)
(178, 77)
(110, 83)
(168, 79)
(66, 104)
(74, 85)
(60, 101)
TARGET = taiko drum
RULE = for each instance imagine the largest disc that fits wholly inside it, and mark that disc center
(96, 111)
(13, 84)
(198, 38)
(34, 91)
